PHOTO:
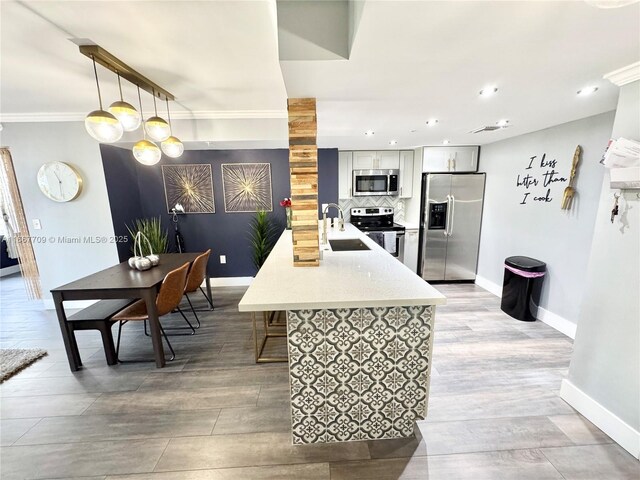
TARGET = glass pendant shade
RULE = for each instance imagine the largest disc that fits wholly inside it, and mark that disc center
(146, 152)
(157, 128)
(103, 126)
(129, 117)
(172, 147)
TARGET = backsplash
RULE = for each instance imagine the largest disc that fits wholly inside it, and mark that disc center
(394, 202)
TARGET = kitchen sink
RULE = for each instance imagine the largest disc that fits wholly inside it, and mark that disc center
(347, 244)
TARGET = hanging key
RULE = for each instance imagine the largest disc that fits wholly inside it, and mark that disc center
(614, 210)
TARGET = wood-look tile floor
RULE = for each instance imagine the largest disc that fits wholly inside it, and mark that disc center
(494, 410)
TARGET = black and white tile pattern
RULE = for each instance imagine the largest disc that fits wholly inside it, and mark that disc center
(358, 373)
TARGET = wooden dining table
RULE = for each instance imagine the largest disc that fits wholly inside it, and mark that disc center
(120, 282)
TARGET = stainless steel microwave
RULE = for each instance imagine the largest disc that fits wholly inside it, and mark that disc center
(375, 182)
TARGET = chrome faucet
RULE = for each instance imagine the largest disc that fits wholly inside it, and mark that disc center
(324, 220)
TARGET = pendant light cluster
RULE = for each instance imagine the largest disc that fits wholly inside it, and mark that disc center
(109, 126)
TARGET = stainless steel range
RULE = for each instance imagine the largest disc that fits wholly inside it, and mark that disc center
(378, 224)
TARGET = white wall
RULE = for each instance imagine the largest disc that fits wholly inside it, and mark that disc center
(542, 230)
(604, 377)
(31, 145)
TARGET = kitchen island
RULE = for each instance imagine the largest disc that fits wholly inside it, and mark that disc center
(359, 334)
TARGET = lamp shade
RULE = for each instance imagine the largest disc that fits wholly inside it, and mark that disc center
(172, 147)
(157, 128)
(129, 117)
(103, 126)
(146, 152)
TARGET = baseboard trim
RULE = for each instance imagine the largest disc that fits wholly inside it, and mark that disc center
(231, 281)
(561, 324)
(9, 270)
(622, 433)
(69, 304)
(489, 286)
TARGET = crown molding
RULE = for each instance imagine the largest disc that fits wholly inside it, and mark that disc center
(197, 115)
(624, 75)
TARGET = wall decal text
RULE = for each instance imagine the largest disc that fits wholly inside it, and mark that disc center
(537, 179)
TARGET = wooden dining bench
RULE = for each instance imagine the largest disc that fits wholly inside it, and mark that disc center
(98, 317)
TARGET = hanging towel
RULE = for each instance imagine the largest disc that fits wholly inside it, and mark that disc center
(377, 237)
(390, 242)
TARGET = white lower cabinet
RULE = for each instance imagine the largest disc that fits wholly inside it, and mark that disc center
(411, 237)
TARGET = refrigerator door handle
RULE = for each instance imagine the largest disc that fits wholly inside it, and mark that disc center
(445, 232)
(452, 199)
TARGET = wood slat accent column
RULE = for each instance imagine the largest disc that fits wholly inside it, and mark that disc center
(303, 164)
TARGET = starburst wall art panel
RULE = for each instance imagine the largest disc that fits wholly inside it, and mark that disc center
(247, 187)
(189, 185)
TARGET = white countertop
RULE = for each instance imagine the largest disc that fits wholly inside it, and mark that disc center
(364, 278)
(408, 225)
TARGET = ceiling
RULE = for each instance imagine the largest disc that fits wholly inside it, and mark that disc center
(408, 62)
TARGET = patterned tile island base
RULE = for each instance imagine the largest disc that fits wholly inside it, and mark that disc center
(358, 373)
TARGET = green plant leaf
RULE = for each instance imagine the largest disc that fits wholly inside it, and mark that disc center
(152, 229)
(262, 237)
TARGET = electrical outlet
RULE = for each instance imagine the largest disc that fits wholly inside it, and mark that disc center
(36, 224)
(223, 259)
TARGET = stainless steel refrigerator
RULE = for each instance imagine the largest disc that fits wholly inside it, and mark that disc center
(450, 225)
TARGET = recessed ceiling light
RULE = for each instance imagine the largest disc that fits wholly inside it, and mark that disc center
(393, 142)
(445, 142)
(587, 91)
(368, 133)
(488, 91)
(502, 123)
(432, 122)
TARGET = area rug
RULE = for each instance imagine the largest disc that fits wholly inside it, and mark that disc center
(12, 360)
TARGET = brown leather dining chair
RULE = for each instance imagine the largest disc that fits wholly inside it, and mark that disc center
(195, 278)
(168, 299)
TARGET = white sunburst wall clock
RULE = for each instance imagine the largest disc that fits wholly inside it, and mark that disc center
(59, 181)
(247, 187)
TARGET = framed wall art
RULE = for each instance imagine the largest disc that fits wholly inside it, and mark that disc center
(190, 185)
(247, 187)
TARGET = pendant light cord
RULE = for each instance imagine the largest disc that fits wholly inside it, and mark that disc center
(119, 86)
(169, 116)
(154, 102)
(95, 72)
(144, 130)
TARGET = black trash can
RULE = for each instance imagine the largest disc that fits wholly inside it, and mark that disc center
(523, 278)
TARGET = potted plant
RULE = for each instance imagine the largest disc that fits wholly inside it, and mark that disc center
(286, 203)
(152, 229)
(262, 233)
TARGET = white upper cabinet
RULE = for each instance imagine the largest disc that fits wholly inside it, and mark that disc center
(388, 160)
(402, 160)
(363, 160)
(450, 159)
(384, 159)
(406, 174)
(345, 167)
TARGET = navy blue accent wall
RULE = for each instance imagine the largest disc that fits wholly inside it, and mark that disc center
(327, 178)
(121, 175)
(137, 191)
